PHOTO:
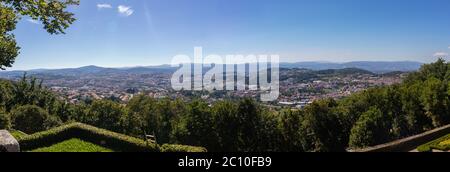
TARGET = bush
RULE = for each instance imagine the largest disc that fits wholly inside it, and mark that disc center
(5, 121)
(29, 118)
(181, 148)
(436, 144)
(18, 134)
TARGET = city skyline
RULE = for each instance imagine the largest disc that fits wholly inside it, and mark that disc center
(147, 33)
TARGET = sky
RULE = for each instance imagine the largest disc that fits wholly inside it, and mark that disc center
(124, 33)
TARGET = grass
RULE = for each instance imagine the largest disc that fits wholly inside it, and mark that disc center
(442, 144)
(73, 145)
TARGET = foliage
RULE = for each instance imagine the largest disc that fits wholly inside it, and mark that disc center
(105, 114)
(320, 128)
(5, 120)
(52, 14)
(290, 126)
(439, 144)
(31, 119)
(181, 148)
(18, 134)
(370, 129)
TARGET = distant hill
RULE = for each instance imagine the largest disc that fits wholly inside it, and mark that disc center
(372, 66)
(88, 70)
(357, 66)
(345, 71)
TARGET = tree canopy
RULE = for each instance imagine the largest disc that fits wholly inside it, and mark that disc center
(53, 15)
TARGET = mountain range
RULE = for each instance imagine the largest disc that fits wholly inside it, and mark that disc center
(372, 66)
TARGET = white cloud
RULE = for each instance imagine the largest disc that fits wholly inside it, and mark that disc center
(33, 21)
(125, 10)
(440, 54)
(101, 6)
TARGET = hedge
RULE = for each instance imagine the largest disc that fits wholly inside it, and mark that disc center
(181, 148)
(102, 137)
(435, 144)
(18, 134)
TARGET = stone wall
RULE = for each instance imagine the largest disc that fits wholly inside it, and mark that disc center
(409, 143)
(8, 143)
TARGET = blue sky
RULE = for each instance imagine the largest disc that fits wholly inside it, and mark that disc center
(116, 33)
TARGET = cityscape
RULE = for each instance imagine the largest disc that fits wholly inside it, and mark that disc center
(298, 86)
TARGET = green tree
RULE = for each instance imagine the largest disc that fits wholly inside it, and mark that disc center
(141, 118)
(29, 91)
(226, 125)
(31, 119)
(438, 69)
(269, 134)
(412, 108)
(290, 125)
(370, 129)
(199, 125)
(392, 109)
(248, 125)
(436, 101)
(106, 114)
(5, 93)
(320, 129)
(5, 120)
(52, 14)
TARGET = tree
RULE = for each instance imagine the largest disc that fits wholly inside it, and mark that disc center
(106, 114)
(5, 120)
(31, 119)
(29, 91)
(370, 129)
(5, 93)
(320, 128)
(269, 134)
(248, 125)
(290, 125)
(141, 118)
(436, 101)
(226, 125)
(438, 69)
(392, 109)
(412, 108)
(51, 13)
(199, 125)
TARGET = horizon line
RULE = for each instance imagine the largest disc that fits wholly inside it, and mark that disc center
(165, 64)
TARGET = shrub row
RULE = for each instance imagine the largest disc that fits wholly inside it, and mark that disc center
(109, 139)
(181, 148)
(428, 147)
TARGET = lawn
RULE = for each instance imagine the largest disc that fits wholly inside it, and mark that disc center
(73, 145)
(442, 144)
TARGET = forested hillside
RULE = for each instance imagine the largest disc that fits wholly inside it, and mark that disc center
(374, 116)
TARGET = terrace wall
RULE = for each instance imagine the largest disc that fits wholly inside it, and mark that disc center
(409, 143)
